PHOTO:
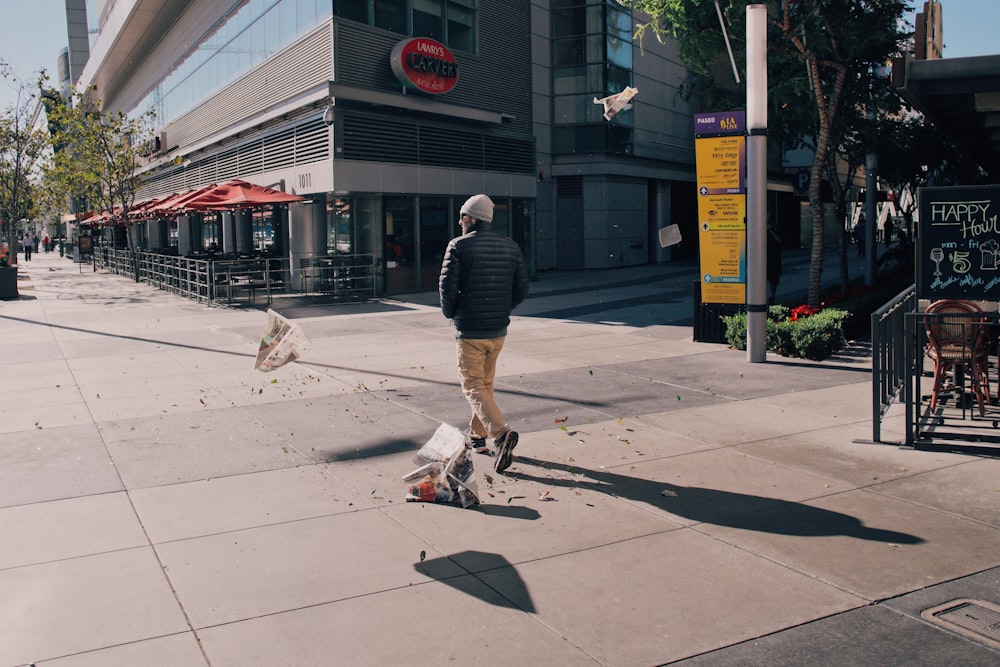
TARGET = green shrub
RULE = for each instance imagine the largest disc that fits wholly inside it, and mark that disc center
(736, 330)
(779, 337)
(814, 337)
(821, 335)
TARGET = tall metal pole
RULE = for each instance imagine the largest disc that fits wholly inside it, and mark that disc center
(871, 210)
(757, 183)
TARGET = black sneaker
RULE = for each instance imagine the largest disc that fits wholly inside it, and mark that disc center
(477, 445)
(505, 445)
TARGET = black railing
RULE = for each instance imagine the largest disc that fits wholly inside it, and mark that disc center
(222, 280)
(891, 366)
(956, 421)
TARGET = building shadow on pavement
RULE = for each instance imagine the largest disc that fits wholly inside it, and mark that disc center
(715, 506)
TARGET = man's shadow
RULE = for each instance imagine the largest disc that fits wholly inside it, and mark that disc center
(722, 508)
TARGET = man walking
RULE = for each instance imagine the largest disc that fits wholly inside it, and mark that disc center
(482, 279)
(28, 243)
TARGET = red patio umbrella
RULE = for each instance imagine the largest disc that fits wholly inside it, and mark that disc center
(142, 211)
(236, 194)
(175, 203)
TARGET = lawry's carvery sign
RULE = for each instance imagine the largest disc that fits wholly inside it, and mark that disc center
(424, 64)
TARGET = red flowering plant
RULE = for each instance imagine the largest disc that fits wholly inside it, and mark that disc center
(801, 311)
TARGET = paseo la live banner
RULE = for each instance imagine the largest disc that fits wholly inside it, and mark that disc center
(720, 167)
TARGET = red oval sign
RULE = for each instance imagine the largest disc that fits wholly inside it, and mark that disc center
(424, 64)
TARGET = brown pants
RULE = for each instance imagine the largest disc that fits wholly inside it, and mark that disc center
(477, 363)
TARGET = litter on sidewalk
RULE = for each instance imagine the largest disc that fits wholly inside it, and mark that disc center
(444, 470)
(281, 343)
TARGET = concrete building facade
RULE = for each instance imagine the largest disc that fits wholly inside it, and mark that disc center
(387, 115)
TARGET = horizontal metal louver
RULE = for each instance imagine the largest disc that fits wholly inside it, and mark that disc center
(379, 141)
(301, 144)
(450, 149)
(279, 151)
(312, 143)
(503, 154)
(226, 163)
(568, 186)
(384, 140)
(251, 159)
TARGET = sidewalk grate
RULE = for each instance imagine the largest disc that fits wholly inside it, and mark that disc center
(975, 619)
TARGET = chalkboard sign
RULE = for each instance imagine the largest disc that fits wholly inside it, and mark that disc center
(958, 244)
(86, 245)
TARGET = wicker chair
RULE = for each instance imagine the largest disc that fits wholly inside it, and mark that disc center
(958, 341)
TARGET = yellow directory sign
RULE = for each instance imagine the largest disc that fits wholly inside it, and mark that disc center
(720, 152)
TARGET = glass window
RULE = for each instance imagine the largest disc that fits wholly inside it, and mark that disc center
(306, 14)
(391, 15)
(580, 79)
(435, 232)
(618, 78)
(452, 22)
(210, 232)
(399, 244)
(341, 233)
(461, 27)
(427, 19)
(501, 216)
(354, 10)
(620, 52)
(571, 109)
(619, 24)
(263, 230)
(285, 16)
(522, 229)
(570, 21)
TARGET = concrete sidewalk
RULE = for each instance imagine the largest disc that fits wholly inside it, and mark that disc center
(161, 503)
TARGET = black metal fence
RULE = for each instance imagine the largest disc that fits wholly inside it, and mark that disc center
(891, 367)
(230, 281)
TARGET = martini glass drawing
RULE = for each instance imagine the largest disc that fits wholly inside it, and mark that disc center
(937, 254)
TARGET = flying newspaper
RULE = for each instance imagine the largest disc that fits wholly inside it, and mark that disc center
(281, 343)
(615, 103)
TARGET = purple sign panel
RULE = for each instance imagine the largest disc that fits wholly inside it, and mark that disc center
(720, 123)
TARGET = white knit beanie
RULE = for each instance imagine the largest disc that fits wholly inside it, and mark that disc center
(479, 207)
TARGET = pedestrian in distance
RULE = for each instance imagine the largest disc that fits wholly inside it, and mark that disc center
(483, 278)
(36, 241)
(28, 244)
(859, 236)
(773, 259)
(47, 243)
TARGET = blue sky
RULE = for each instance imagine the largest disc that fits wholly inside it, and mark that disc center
(32, 32)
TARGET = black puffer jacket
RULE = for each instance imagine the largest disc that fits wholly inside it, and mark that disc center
(482, 279)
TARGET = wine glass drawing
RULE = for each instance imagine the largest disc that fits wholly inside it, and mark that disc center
(937, 254)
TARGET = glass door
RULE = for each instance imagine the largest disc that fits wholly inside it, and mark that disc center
(400, 253)
(435, 232)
